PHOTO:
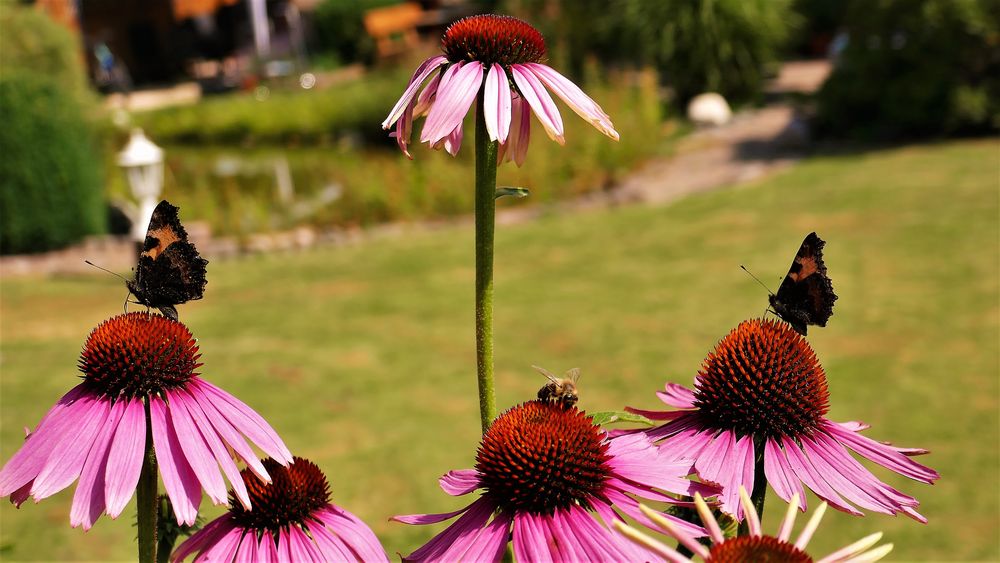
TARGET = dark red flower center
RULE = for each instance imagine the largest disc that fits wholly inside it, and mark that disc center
(762, 379)
(139, 354)
(295, 493)
(492, 39)
(759, 549)
(540, 456)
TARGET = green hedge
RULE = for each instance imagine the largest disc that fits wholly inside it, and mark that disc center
(50, 173)
(351, 109)
(915, 68)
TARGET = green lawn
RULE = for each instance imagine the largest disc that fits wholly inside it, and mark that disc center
(362, 358)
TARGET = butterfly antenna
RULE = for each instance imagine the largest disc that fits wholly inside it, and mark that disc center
(106, 270)
(756, 278)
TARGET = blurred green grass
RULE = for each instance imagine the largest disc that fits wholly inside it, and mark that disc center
(362, 357)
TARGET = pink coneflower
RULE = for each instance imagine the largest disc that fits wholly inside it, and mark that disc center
(755, 546)
(292, 520)
(97, 432)
(501, 57)
(762, 388)
(549, 473)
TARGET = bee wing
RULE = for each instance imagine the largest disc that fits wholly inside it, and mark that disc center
(548, 375)
(573, 374)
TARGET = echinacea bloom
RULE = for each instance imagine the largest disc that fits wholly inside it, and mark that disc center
(134, 364)
(763, 388)
(292, 520)
(548, 473)
(753, 547)
(501, 58)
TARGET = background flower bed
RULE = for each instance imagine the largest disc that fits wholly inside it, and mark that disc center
(356, 335)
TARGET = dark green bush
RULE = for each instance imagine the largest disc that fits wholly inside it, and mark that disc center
(915, 68)
(697, 46)
(31, 41)
(50, 181)
(339, 31)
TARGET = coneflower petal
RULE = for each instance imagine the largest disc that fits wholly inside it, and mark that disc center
(179, 480)
(781, 476)
(196, 451)
(575, 98)
(496, 104)
(125, 458)
(88, 499)
(541, 103)
(458, 482)
(423, 71)
(454, 98)
(62, 469)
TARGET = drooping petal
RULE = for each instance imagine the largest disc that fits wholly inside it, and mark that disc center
(475, 517)
(808, 475)
(404, 128)
(67, 459)
(541, 103)
(575, 98)
(179, 479)
(301, 547)
(427, 96)
(516, 147)
(459, 482)
(247, 421)
(355, 533)
(886, 456)
(31, 458)
(419, 75)
(780, 475)
(125, 458)
(530, 541)
(88, 499)
(496, 104)
(421, 519)
(196, 451)
(330, 544)
(453, 141)
(207, 538)
(231, 437)
(454, 98)
(182, 400)
(490, 544)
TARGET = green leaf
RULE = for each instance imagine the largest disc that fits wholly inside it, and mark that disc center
(512, 191)
(608, 417)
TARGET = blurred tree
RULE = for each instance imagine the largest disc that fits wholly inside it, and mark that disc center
(339, 30)
(697, 46)
(50, 174)
(915, 68)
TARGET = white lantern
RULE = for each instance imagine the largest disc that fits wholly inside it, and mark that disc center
(142, 162)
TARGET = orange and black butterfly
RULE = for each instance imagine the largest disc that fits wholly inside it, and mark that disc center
(806, 295)
(170, 270)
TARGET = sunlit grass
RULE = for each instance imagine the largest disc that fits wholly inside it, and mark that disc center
(363, 357)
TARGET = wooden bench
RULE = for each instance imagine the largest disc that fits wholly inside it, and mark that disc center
(394, 28)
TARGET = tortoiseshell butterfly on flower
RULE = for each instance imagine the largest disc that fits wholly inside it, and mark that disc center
(170, 270)
(806, 295)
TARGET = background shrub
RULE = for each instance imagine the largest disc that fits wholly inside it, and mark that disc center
(915, 68)
(339, 31)
(723, 46)
(50, 172)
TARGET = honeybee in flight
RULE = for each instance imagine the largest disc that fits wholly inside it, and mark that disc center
(560, 390)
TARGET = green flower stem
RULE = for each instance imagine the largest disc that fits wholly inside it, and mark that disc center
(486, 183)
(146, 498)
(759, 488)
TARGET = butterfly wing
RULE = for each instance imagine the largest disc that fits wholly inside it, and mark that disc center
(806, 295)
(170, 270)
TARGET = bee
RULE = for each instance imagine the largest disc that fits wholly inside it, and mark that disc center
(559, 390)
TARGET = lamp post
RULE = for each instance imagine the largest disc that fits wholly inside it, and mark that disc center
(142, 162)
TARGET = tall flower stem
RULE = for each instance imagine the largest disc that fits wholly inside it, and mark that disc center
(759, 487)
(486, 182)
(146, 498)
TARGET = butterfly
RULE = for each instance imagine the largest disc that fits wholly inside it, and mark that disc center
(170, 270)
(805, 296)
